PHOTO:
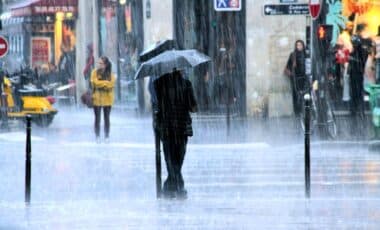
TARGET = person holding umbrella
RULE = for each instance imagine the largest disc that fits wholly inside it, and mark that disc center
(175, 101)
(174, 98)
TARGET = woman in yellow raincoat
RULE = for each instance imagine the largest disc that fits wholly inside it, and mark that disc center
(102, 83)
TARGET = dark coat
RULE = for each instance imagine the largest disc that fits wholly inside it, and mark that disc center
(175, 101)
(296, 67)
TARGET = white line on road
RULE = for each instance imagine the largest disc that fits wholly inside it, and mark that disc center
(281, 183)
(260, 145)
(18, 137)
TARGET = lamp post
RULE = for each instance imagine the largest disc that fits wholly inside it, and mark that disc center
(119, 18)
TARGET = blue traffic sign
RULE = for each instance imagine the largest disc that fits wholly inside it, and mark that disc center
(227, 5)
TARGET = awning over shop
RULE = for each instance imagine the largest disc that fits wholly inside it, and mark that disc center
(38, 7)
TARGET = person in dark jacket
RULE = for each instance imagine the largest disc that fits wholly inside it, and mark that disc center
(296, 71)
(66, 65)
(175, 101)
(356, 71)
(89, 62)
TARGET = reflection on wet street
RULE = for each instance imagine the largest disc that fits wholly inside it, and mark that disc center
(78, 184)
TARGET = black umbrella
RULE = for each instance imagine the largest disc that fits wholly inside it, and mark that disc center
(169, 60)
(156, 49)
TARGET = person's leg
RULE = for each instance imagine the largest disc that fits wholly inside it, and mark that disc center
(294, 97)
(180, 147)
(97, 120)
(169, 184)
(107, 123)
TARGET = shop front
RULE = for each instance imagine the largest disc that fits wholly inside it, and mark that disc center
(355, 31)
(121, 36)
(44, 31)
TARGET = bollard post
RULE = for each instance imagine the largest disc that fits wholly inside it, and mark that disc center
(158, 155)
(158, 165)
(307, 100)
(4, 110)
(228, 119)
(28, 161)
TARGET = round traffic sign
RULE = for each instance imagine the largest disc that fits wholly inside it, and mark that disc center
(315, 8)
(3, 46)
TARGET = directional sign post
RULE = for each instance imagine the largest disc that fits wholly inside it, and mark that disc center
(286, 9)
(3, 46)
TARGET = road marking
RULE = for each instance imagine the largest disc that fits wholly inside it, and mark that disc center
(18, 137)
(258, 145)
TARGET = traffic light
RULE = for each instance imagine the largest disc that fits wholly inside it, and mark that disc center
(324, 34)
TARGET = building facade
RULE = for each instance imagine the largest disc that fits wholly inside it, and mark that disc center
(38, 31)
(257, 47)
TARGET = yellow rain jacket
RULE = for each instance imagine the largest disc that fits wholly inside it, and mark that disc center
(102, 90)
(8, 91)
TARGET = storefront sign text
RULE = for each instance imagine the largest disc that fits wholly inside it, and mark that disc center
(52, 9)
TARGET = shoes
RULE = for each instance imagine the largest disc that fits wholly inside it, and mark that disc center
(181, 194)
(97, 140)
(107, 140)
(168, 194)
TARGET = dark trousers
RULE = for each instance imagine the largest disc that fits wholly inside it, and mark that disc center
(298, 87)
(357, 92)
(106, 113)
(174, 152)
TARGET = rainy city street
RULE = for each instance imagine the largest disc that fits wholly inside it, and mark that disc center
(195, 114)
(251, 179)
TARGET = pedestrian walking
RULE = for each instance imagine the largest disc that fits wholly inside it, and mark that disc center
(102, 84)
(295, 69)
(370, 68)
(66, 65)
(175, 101)
(357, 63)
(89, 62)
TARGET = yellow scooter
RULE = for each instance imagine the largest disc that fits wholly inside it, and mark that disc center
(23, 101)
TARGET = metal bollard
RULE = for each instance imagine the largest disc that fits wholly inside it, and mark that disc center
(4, 111)
(28, 161)
(158, 166)
(158, 156)
(307, 144)
(228, 119)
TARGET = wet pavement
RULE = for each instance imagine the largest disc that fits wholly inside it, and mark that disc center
(251, 179)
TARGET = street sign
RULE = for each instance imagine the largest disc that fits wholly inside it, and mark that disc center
(227, 5)
(288, 9)
(315, 8)
(3, 46)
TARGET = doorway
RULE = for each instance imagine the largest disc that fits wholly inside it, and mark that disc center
(221, 35)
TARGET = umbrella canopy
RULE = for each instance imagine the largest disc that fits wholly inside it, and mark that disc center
(169, 60)
(156, 49)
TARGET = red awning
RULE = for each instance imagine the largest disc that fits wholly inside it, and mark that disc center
(38, 7)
